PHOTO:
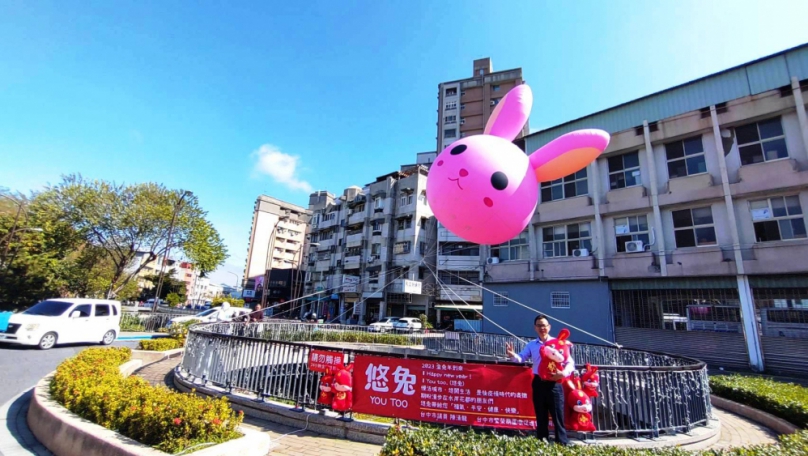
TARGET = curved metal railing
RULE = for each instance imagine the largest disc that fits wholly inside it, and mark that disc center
(641, 393)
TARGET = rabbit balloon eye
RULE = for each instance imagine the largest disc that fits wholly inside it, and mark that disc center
(457, 150)
(499, 180)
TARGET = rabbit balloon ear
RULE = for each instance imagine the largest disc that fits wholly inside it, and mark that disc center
(511, 113)
(568, 154)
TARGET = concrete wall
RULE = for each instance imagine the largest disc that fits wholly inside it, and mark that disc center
(590, 308)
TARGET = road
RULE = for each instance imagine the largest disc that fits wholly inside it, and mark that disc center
(22, 367)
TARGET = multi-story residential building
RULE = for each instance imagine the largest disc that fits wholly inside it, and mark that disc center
(464, 105)
(277, 241)
(688, 235)
(179, 270)
(370, 249)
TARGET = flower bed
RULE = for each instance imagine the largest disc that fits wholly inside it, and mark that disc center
(445, 442)
(160, 344)
(783, 400)
(91, 386)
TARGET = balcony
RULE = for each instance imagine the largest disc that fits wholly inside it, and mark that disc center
(322, 265)
(459, 293)
(626, 199)
(354, 240)
(357, 217)
(567, 268)
(444, 235)
(509, 271)
(327, 223)
(458, 262)
(781, 257)
(405, 286)
(630, 265)
(352, 262)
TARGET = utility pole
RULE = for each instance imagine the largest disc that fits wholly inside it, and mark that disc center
(177, 208)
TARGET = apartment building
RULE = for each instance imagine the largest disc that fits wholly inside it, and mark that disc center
(277, 242)
(464, 105)
(688, 235)
(179, 270)
(370, 249)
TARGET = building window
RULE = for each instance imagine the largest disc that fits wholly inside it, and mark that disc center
(451, 92)
(560, 241)
(451, 105)
(459, 249)
(378, 203)
(458, 277)
(402, 247)
(495, 101)
(685, 158)
(405, 223)
(501, 299)
(462, 106)
(560, 300)
(406, 199)
(624, 170)
(462, 121)
(375, 249)
(515, 249)
(450, 119)
(450, 133)
(376, 226)
(761, 141)
(631, 229)
(495, 88)
(568, 187)
(693, 227)
(422, 197)
(778, 218)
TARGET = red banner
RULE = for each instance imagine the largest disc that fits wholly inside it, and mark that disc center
(320, 360)
(451, 393)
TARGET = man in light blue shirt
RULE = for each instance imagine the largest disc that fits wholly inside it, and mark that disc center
(548, 397)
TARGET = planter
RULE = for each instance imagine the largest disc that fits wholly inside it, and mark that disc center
(772, 422)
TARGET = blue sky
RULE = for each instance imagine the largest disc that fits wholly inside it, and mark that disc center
(234, 100)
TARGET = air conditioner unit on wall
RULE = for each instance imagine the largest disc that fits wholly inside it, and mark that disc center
(634, 247)
(580, 253)
(493, 260)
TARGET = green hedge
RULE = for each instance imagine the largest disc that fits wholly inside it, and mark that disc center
(445, 442)
(163, 344)
(91, 386)
(343, 336)
(131, 323)
(785, 400)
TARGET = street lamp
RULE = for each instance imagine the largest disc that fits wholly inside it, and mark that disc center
(177, 207)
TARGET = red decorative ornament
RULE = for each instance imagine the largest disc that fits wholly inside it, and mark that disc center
(343, 390)
(578, 416)
(326, 396)
(554, 354)
(591, 380)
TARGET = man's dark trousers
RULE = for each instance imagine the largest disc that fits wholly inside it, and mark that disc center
(549, 397)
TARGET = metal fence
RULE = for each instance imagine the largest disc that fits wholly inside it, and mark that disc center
(147, 321)
(640, 393)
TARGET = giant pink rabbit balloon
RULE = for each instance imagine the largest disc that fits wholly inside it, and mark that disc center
(484, 189)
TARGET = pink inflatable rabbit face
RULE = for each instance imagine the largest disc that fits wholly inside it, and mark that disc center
(484, 189)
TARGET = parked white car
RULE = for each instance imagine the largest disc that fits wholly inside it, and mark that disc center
(65, 321)
(407, 324)
(210, 315)
(385, 325)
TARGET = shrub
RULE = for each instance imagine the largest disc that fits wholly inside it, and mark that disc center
(131, 323)
(785, 400)
(163, 344)
(430, 441)
(234, 302)
(91, 386)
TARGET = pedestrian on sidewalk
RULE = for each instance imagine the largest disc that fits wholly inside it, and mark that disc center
(548, 396)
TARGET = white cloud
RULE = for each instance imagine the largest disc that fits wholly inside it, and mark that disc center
(280, 167)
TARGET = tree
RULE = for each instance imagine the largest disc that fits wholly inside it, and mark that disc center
(171, 285)
(173, 299)
(125, 220)
(234, 302)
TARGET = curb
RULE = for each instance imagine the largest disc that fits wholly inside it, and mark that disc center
(772, 422)
(22, 441)
(143, 337)
(357, 430)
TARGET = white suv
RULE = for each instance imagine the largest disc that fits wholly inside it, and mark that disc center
(65, 321)
(386, 324)
(407, 324)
